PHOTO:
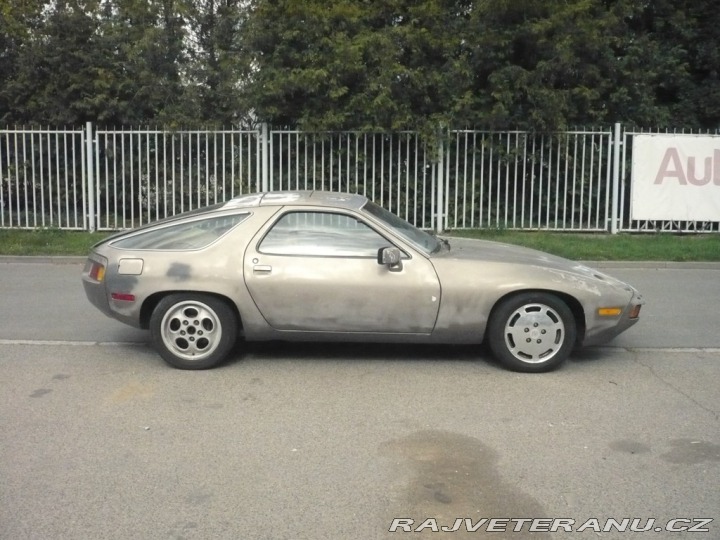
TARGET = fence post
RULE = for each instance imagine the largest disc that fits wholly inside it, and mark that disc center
(90, 168)
(440, 202)
(615, 180)
(264, 157)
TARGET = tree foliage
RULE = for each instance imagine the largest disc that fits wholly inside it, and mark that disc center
(361, 64)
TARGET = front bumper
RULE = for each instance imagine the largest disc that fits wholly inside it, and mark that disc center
(601, 329)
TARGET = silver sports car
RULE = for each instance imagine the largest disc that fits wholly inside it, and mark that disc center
(319, 266)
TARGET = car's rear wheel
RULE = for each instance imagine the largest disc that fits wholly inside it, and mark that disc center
(532, 332)
(193, 331)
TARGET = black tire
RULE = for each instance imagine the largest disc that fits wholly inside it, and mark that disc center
(532, 332)
(193, 331)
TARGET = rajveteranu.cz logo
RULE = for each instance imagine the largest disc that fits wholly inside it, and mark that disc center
(552, 525)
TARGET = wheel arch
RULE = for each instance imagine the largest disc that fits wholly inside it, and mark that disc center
(154, 299)
(573, 303)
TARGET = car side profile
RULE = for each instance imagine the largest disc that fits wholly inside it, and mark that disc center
(322, 266)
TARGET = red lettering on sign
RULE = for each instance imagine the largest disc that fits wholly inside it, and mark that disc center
(671, 167)
(671, 156)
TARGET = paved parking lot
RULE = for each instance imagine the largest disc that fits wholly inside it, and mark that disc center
(100, 439)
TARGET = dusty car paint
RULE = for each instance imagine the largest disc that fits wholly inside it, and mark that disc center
(444, 296)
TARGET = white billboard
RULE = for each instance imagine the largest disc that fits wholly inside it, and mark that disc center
(676, 177)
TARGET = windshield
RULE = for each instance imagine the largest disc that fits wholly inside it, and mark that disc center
(424, 241)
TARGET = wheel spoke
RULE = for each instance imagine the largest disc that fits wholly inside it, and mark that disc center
(534, 333)
(191, 330)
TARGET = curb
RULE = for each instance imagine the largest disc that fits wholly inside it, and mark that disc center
(655, 265)
(42, 259)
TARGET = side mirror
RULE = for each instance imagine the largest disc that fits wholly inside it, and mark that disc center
(391, 257)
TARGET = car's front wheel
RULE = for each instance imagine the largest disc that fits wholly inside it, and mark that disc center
(532, 332)
(193, 331)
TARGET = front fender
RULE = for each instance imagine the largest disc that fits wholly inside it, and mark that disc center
(471, 289)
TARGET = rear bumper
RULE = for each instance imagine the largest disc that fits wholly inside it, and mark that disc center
(94, 289)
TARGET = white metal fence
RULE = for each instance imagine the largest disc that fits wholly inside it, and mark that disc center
(109, 179)
(140, 176)
(43, 178)
(518, 180)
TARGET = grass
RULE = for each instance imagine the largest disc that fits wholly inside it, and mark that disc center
(47, 242)
(608, 247)
(578, 246)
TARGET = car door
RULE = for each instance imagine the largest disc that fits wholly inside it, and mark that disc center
(318, 271)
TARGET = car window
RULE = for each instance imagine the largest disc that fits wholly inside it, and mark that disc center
(187, 235)
(322, 234)
(426, 242)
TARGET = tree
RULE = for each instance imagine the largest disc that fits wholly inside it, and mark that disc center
(366, 65)
(142, 55)
(406, 64)
(568, 63)
(218, 65)
(18, 21)
(51, 67)
(86, 61)
(355, 65)
(678, 42)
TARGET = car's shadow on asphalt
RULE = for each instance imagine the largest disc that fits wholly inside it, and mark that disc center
(383, 352)
(270, 350)
(589, 354)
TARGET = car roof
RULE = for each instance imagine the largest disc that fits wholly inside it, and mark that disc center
(297, 198)
(328, 199)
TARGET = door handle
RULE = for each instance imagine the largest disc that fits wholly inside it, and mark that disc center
(262, 269)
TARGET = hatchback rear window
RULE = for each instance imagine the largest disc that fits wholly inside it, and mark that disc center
(182, 236)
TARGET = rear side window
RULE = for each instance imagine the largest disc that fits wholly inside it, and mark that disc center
(190, 235)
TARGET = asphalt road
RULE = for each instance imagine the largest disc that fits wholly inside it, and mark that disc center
(100, 439)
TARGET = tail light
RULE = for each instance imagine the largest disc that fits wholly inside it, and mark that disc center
(97, 271)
